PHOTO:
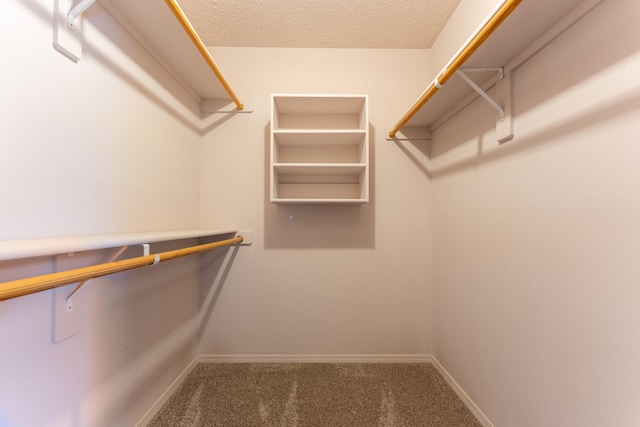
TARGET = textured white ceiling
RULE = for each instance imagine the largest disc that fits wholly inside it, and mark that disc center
(383, 24)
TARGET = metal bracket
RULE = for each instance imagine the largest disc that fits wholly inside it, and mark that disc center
(482, 93)
(247, 237)
(76, 11)
(76, 291)
(67, 318)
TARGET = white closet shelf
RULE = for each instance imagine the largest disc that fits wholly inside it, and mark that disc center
(336, 136)
(17, 249)
(318, 168)
(319, 201)
(341, 104)
(153, 24)
(518, 35)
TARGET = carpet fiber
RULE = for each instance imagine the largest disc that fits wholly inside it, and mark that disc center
(318, 395)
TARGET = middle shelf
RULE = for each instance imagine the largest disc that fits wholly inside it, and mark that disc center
(319, 149)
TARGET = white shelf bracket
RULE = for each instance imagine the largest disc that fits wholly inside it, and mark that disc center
(482, 93)
(81, 285)
(502, 103)
(76, 11)
(67, 318)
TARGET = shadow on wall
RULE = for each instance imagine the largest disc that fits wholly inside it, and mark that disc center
(585, 119)
(103, 22)
(215, 267)
(467, 146)
(317, 225)
(418, 151)
(144, 343)
(114, 61)
(136, 329)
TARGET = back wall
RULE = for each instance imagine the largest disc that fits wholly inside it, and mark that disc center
(337, 280)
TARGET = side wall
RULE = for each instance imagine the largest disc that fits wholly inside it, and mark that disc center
(334, 281)
(536, 242)
(106, 145)
(464, 20)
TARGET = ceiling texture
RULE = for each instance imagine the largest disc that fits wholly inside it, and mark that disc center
(380, 24)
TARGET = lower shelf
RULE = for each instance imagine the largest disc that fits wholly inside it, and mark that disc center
(319, 201)
(319, 183)
(319, 193)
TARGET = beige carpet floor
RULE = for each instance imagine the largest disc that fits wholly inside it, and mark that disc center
(314, 395)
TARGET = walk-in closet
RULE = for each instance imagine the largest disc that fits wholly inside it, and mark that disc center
(303, 213)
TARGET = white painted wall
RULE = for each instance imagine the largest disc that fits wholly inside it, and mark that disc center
(536, 242)
(108, 145)
(76, 157)
(462, 23)
(339, 280)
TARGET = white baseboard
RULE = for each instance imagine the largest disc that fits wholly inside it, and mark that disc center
(167, 394)
(482, 418)
(315, 358)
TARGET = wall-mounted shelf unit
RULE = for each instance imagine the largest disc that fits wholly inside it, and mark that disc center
(319, 149)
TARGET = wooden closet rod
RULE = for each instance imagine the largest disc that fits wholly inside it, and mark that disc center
(35, 284)
(191, 32)
(475, 41)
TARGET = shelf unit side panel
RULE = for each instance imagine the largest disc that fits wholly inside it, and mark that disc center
(273, 155)
(365, 149)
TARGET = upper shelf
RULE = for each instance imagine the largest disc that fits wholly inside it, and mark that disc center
(520, 30)
(16, 249)
(154, 22)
